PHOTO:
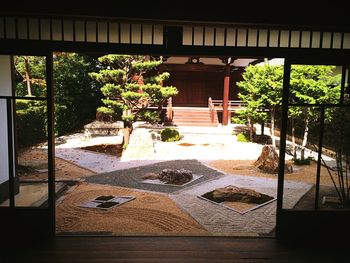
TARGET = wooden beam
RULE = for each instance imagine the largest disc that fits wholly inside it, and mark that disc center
(193, 67)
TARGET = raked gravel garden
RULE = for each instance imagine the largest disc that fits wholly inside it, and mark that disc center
(212, 154)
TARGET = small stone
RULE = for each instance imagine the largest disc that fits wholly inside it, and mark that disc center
(173, 176)
(151, 176)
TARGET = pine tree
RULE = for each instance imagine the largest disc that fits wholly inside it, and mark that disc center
(131, 84)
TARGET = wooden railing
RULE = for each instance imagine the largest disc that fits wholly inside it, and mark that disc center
(233, 105)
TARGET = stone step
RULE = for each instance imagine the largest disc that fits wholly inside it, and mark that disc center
(195, 124)
(193, 117)
(191, 112)
(188, 117)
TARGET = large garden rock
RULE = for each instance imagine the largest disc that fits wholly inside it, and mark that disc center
(140, 147)
(268, 160)
(173, 176)
(237, 194)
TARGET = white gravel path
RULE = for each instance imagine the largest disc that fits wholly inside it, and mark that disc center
(97, 162)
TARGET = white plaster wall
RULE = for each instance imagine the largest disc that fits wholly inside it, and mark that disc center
(5, 90)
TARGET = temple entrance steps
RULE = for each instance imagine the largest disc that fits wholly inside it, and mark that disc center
(194, 116)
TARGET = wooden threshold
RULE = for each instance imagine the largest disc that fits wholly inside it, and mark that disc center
(166, 249)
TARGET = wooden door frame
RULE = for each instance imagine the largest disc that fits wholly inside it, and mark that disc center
(172, 45)
(38, 221)
(307, 225)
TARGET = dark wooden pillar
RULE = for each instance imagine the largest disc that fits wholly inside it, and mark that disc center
(225, 112)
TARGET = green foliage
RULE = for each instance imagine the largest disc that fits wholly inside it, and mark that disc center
(305, 161)
(156, 93)
(31, 67)
(30, 122)
(149, 116)
(131, 84)
(241, 137)
(169, 135)
(76, 96)
(313, 85)
(105, 110)
(261, 89)
(75, 93)
(128, 119)
(239, 118)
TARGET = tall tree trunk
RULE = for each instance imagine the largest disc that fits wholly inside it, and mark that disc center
(126, 136)
(251, 129)
(306, 133)
(273, 126)
(294, 152)
(262, 128)
(127, 125)
(27, 75)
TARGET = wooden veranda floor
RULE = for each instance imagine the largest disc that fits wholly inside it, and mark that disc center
(165, 249)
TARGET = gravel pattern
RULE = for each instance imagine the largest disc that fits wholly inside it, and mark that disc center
(220, 220)
(132, 177)
(147, 214)
(97, 162)
(65, 170)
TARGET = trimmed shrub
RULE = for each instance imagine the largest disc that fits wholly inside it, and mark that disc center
(169, 135)
(241, 137)
(30, 122)
(107, 114)
(305, 161)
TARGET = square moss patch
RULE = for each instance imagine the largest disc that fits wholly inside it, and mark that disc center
(107, 201)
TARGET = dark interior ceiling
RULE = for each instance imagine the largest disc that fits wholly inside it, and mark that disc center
(293, 13)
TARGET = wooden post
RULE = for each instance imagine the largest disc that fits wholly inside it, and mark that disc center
(225, 113)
